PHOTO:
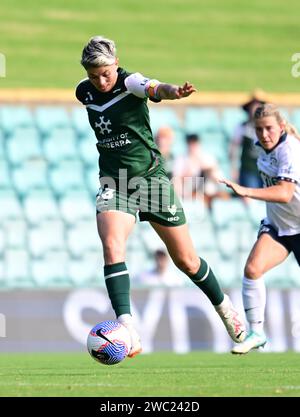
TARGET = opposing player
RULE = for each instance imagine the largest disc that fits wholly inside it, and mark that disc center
(279, 235)
(133, 180)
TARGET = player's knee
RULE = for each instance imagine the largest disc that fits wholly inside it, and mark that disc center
(188, 264)
(252, 270)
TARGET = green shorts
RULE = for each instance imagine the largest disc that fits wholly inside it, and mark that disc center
(151, 198)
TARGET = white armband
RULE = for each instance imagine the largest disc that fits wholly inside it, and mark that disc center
(141, 87)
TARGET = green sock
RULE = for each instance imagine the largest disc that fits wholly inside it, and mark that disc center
(207, 282)
(118, 286)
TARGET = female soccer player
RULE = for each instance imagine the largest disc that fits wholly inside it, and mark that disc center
(133, 180)
(279, 166)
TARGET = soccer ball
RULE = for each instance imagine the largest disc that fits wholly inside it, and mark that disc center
(109, 342)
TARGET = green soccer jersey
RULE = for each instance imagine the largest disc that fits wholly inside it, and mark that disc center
(120, 120)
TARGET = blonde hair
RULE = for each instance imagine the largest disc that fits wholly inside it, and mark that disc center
(267, 110)
(98, 52)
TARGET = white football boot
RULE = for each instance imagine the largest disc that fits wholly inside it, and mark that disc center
(232, 320)
(136, 346)
(253, 341)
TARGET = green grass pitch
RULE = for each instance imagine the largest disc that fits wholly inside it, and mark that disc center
(219, 45)
(197, 374)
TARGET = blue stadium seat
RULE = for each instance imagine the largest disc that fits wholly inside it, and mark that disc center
(164, 116)
(40, 206)
(51, 270)
(82, 238)
(30, 176)
(201, 120)
(85, 270)
(17, 272)
(67, 176)
(231, 117)
(215, 144)
(50, 117)
(23, 145)
(13, 117)
(80, 121)
(10, 207)
(237, 237)
(60, 144)
(88, 151)
(46, 237)
(5, 179)
(77, 206)
(15, 233)
(92, 180)
(256, 211)
(227, 212)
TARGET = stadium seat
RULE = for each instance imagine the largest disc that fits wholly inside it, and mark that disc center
(257, 211)
(67, 176)
(23, 145)
(46, 237)
(50, 117)
(82, 238)
(235, 238)
(77, 206)
(86, 270)
(13, 117)
(88, 152)
(17, 269)
(32, 175)
(10, 207)
(231, 117)
(92, 180)
(201, 120)
(15, 233)
(226, 212)
(80, 121)
(2, 242)
(40, 206)
(5, 179)
(164, 116)
(215, 144)
(51, 270)
(60, 144)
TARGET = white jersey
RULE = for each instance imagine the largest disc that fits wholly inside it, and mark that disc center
(282, 163)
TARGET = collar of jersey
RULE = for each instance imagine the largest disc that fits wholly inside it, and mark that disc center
(281, 139)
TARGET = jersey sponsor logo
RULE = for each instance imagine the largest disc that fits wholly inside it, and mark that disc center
(103, 125)
(117, 141)
(172, 209)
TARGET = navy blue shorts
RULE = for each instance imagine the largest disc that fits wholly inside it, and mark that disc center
(291, 243)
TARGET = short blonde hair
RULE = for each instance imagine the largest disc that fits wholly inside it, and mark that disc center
(98, 52)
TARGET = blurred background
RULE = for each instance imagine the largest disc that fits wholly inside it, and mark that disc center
(52, 289)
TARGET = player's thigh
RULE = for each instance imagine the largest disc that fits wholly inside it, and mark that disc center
(265, 255)
(114, 225)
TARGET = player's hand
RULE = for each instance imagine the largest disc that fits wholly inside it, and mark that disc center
(186, 90)
(238, 189)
